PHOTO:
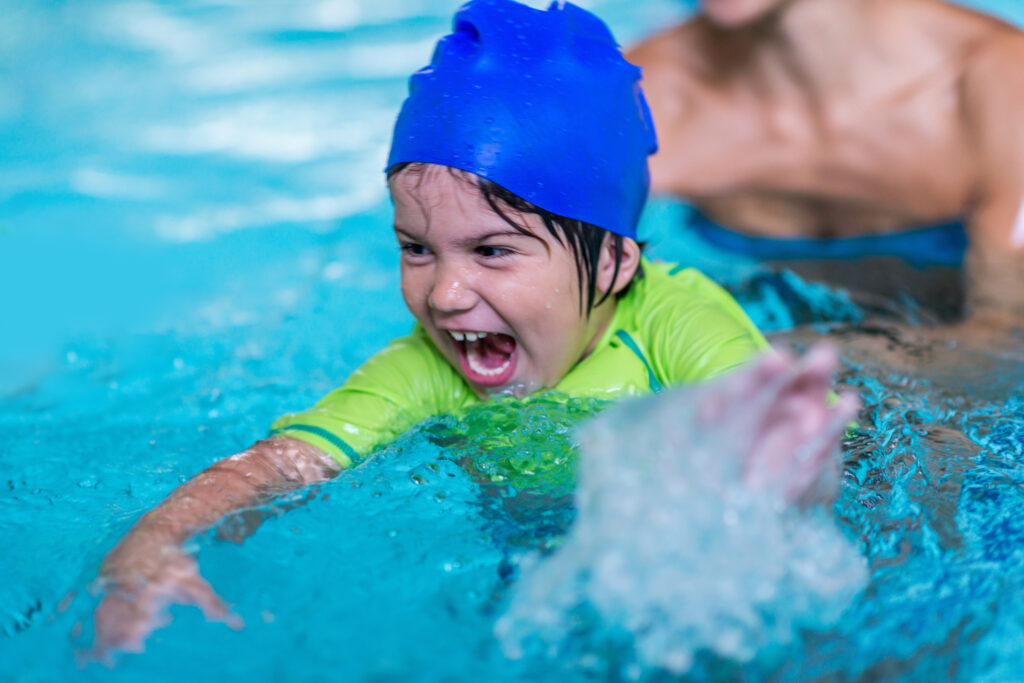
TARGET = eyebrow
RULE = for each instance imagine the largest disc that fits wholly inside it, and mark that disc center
(477, 239)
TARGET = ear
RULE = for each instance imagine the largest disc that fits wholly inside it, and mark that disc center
(607, 280)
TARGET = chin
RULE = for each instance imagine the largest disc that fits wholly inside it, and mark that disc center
(735, 14)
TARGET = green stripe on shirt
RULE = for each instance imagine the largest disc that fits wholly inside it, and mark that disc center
(632, 345)
(333, 439)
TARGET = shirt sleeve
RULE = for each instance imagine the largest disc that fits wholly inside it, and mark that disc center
(695, 330)
(401, 385)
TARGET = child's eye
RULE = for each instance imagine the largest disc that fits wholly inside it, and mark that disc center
(492, 252)
(414, 249)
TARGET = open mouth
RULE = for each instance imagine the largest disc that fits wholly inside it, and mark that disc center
(487, 358)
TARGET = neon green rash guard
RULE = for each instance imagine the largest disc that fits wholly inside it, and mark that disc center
(673, 326)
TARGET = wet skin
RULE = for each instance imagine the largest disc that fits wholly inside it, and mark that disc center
(787, 441)
(737, 13)
(832, 118)
(466, 270)
(787, 435)
(149, 569)
(463, 271)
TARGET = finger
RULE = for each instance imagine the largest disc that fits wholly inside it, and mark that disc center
(746, 396)
(723, 394)
(822, 358)
(847, 407)
(812, 376)
(197, 591)
(818, 480)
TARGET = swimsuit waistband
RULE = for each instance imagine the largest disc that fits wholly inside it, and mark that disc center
(934, 245)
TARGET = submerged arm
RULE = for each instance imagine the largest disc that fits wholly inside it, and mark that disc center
(994, 107)
(149, 569)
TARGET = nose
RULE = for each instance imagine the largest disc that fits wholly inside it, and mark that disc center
(452, 289)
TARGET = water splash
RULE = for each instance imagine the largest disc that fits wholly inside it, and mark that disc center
(672, 558)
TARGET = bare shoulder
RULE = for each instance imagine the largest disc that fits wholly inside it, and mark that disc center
(656, 48)
(672, 53)
(958, 29)
(992, 83)
(988, 42)
(998, 59)
(984, 54)
(676, 73)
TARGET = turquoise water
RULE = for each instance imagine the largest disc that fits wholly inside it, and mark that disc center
(192, 242)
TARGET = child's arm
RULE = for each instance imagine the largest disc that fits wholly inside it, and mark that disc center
(149, 569)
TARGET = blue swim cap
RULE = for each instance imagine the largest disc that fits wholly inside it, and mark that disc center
(539, 102)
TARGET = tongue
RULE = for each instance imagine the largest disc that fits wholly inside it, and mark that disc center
(494, 349)
(500, 343)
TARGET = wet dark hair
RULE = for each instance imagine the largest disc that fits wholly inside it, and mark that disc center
(582, 239)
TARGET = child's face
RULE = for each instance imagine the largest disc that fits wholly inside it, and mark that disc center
(502, 307)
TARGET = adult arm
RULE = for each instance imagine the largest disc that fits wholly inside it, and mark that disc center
(994, 111)
(149, 569)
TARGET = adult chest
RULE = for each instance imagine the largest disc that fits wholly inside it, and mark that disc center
(872, 165)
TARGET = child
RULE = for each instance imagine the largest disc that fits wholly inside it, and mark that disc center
(518, 172)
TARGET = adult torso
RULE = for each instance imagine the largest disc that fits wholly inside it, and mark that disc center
(883, 155)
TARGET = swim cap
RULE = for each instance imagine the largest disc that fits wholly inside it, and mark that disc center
(540, 102)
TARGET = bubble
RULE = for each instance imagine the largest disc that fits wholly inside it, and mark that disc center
(671, 555)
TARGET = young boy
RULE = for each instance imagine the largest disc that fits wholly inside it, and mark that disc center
(518, 172)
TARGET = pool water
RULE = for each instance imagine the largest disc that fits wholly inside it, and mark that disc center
(193, 241)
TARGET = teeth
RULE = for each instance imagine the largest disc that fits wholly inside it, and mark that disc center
(475, 366)
(467, 336)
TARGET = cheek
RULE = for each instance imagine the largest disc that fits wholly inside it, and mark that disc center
(559, 307)
(563, 299)
(412, 291)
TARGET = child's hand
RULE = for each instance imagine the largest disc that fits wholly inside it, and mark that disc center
(148, 570)
(140, 581)
(777, 407)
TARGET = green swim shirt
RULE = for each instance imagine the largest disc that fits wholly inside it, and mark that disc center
(674, 326)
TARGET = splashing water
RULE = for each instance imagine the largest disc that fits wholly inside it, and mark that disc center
(122, 149)
(671, 556)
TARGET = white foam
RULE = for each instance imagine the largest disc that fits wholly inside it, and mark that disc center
(253, 130)
(671, 548)
(105, 184)
(148, 26)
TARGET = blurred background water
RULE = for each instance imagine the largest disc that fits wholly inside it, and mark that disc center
(170, 164)
(194, 239)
